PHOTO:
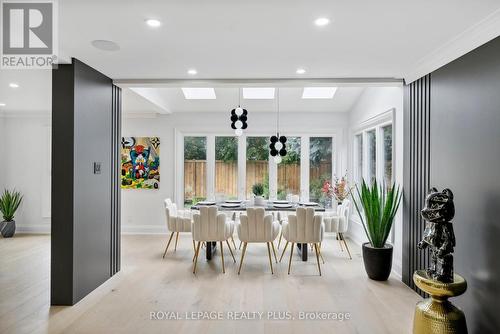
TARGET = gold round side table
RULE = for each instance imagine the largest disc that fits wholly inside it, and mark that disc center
(437, 315)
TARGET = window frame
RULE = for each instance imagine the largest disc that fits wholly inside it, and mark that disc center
(241, 179)
(376, 124)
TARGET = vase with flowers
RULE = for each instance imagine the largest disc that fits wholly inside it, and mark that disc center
(337, 190)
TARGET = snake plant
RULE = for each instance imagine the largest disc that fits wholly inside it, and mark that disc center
(379, 208)
(9, 203)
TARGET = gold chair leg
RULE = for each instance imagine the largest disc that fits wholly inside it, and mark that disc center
(339, 238)
(176, 238)
(242, 256)
(230, 250)
(168, 244)
(222, 257)
(270, 261)
(194, 247)
(290, 261)
(346, 247)
(234, 243)
(320, 255)
(274, 252)
(279, 241)
(317, 258)
(240, 245)
(196, 257)
(284, 249)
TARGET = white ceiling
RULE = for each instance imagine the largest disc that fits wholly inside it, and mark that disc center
(265, 39)
(167, 100)
(258, 39)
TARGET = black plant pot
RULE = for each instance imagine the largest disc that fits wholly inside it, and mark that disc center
(378, 261)
(8, 229)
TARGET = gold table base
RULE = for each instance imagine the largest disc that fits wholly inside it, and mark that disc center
(437, 315)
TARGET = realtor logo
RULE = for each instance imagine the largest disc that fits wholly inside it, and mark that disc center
(28, 34)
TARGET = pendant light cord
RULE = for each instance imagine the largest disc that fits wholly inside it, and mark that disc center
(278, 116)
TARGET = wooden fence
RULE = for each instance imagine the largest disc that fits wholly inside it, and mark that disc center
(226, 176)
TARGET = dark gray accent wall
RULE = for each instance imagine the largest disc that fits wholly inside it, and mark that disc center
(465, 156)
(416, 174)
(85, 186)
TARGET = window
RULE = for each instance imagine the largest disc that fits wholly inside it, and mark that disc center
(358, 156)
(387, 142)
(257, 164)
(320, 166)
(226, 167)
(289, 170)
(372, 156)
(195, 170)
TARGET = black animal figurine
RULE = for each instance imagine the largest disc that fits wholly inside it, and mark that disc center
(438, 212)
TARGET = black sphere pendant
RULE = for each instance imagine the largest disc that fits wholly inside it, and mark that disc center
(239, 117)
(274, 151)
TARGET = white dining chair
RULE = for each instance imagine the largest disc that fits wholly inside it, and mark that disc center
(178, 221)
(257, 227)
(208, 226)
(339, 224)
(303, 227)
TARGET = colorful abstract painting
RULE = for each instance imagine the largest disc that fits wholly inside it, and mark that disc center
(140, 163)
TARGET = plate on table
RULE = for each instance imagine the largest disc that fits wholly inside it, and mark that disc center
(234, 201)
(309, 204)
(281, 202)
(206, 203)
(282, 205)
(231, 205)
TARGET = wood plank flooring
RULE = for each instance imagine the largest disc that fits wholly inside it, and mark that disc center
(148, 283)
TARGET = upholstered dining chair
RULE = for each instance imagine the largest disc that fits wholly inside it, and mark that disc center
(177, 221)
(257, 227)
(211, 226)
(304, 227)
(339, 224)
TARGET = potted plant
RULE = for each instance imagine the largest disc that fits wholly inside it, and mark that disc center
(9, 203)
(258, 191)
(377, 208)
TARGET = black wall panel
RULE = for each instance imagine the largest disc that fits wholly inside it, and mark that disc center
(416, 174)
(85, 190)
(465, 156)
(455, 113)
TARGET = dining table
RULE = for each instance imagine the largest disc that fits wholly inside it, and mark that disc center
(272, 206)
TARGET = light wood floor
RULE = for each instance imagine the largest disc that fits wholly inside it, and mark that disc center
(148, 283)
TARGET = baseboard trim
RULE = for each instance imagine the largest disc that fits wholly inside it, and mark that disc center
(144, 229)
(33, 228)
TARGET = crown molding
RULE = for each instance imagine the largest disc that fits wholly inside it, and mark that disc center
(475, 36)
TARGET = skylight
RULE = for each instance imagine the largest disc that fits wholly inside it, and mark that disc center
(266, 93)
(319, 92)
(199, 93)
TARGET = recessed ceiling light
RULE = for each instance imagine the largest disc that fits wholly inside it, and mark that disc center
(13, 85)
(264, 93)
(321, 21)
(192, 71)
(300, 71)
(153, 23)
(199, 93)
(319, 92)
(105, 45)
(2, 104)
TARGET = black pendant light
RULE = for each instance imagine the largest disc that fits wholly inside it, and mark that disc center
(239, 117)
(278, 143)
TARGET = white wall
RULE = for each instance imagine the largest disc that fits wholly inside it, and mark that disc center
(142, 210)
(3, 166)
(26, 167)
(373, 102)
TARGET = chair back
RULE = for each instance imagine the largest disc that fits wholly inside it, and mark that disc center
(171, 213)
(344, 214)
(209, 225)
(305, 226)
(256, 226)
